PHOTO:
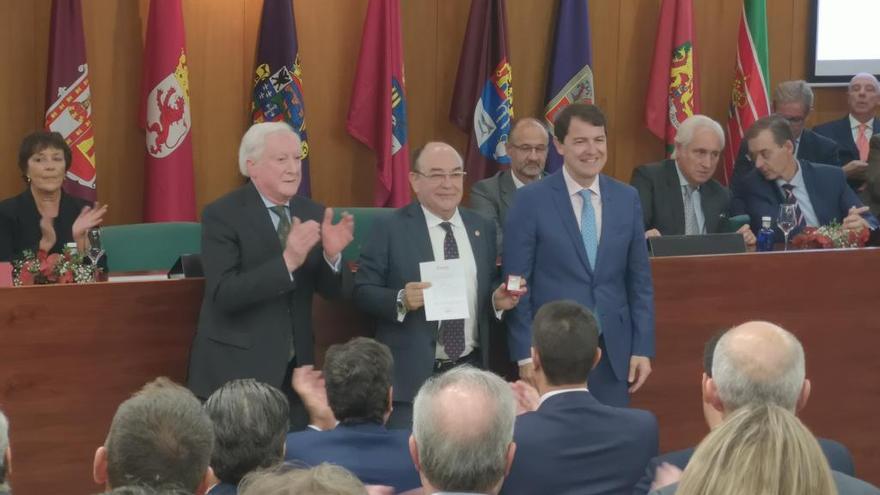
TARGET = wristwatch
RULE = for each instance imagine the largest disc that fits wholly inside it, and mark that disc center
(401, 305)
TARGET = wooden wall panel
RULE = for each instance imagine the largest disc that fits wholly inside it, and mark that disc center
(221, 41)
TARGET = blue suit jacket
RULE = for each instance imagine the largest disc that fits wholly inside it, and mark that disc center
(838, 456)
(758, 197)
(813, 147)
(542, 242)
(375, 454)
(841, 133)
(575, 445)
(223, 489)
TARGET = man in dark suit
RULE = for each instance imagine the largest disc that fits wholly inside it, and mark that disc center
(592, 251)
(819, 192)
(265, 251)
(527, 149)
(793, 101)
(679, 196)
(570, 443)
(357, 379)
(759, 363)
(389, 286)
(853, 131)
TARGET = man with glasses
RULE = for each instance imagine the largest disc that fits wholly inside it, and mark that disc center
(793, 101)
(527, 149)
(388, 283)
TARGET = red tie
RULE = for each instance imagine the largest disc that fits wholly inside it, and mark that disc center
(862, 142)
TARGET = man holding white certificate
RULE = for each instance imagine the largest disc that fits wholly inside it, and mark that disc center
(428, 274)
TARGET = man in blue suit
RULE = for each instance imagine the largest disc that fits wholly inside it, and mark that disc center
(819, 192)
(357, 378)
(853, 132)
(571, 443)
(592, 251)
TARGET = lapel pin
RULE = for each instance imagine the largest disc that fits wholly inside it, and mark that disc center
(477, 233)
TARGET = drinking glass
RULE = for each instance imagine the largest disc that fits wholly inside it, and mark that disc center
(787, 220)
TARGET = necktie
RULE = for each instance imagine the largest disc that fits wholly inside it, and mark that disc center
(451, 331)
(862, 142)
(588, 228)
(790, 199)
(691, 225)
(283, 224)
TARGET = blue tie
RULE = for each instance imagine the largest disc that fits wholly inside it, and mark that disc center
(588, 228)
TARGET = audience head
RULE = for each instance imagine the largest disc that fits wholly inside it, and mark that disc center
(527, 148)
(250, 420)
(757, 363)
(324, 479)
(863, 95)
(758, 449)
(357, 376)
(565, 344)
(145, 490)
(271, 154)
(462, 438)
(580, 138)
(771, 147)
(437, 177)
(793, 101)
(161, 438)
(44, 158)
(698, 145)
(5, 450)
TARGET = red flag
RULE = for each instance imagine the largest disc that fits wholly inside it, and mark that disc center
(377, 112)
(482, 104)
(168, 178)
(673, 89)
(68, 97)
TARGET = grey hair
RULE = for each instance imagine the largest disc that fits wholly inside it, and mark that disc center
(254, 140)
(4, 444)
(794, 91)
(865, 75)
(688, 128)
(464, 459)
(744, 380)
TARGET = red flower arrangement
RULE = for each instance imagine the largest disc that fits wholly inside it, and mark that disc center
(830, 236)
(57, 268)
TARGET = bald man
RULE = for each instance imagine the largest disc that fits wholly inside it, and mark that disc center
(753, 363)
(388, 283)
(527, 149)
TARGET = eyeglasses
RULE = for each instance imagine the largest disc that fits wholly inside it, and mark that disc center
(525, 148)
(438, 177)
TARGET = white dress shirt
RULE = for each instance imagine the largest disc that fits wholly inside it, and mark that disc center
(577, 201)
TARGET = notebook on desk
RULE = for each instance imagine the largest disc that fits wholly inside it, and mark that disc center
(689, 245)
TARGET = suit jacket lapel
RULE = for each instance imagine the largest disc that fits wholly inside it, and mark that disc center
(420, 239)
(259, 219)
(673, 192)
(507, 187)
(566, 215)
(809, 176)
(478, 246)
(608, 204)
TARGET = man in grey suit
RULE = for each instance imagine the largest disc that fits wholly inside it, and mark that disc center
(679, 195)
(527, 148)
(389, 286)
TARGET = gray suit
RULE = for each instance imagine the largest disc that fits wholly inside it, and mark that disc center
(491, 197)
(662, 204)
(846, 485)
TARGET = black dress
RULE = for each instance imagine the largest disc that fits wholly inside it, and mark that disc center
(20, 224)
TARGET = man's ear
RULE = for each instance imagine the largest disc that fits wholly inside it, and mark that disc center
(597, 358)
(99, 466)
(207, 482)
(511, 453)
(710, 395)
(804, 396)
(414, 453)
(536, 359)
(7, 460)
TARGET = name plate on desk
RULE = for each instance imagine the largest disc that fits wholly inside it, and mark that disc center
(689, 245)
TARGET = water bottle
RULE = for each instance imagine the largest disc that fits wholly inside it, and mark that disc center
(765, 235)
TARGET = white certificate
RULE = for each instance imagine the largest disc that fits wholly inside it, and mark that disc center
(446, 299)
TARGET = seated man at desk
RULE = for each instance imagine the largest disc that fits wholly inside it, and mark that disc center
(679, 195)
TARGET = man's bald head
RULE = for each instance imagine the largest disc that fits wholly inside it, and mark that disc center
(759, 363)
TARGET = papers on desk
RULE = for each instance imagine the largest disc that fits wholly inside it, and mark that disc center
(144, 277)
(446, 299)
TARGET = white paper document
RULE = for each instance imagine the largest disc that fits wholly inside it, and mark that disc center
(446, 299)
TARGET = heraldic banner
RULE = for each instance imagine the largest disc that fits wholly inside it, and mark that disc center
(278, 88)
(571, 75)
(377, 112)
(673, 89)
(750, 97)
(68, 97)
(169, 193)
(482, 104)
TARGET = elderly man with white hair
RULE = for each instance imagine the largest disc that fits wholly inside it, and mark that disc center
(265, 251)
(679, 196)
(853, 132)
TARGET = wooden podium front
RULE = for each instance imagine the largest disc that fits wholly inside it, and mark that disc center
(71, 354)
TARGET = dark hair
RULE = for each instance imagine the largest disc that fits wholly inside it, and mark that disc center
(709, 351)
(565, 336)
(357, 376)
(251, 420)
(146, 490)
(161, 438)
(586, 112)
(778, 126)
(36, 142)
